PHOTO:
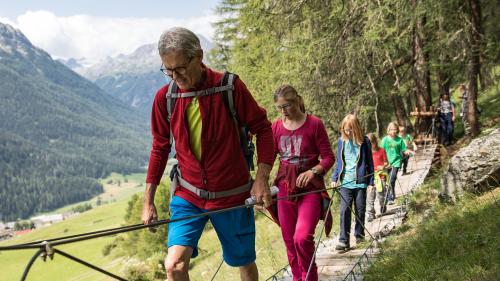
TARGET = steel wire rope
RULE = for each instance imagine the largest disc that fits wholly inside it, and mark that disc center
(357, 264)
(320, 235)
(111, 231)
(107, 232)
(341, 197)
(217, 271)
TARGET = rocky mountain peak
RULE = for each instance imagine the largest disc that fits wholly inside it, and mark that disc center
(13, 41)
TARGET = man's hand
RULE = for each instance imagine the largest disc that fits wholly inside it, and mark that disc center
(260, 188)
(149, 214)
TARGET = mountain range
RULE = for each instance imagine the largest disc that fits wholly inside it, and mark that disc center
(59, 132)
(133, 78)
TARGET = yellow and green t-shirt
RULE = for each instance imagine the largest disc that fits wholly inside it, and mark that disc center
(193, 116)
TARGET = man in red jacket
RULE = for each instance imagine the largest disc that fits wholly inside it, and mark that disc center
(213, 173)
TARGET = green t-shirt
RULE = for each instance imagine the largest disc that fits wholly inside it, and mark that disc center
(194, 126)
(394, 147)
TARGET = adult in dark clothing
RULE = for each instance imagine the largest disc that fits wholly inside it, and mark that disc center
(447, 118)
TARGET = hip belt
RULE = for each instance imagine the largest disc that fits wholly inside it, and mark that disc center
(205, 194)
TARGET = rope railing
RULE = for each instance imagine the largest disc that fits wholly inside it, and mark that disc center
(46, 247)
(364, 260)
(285, 268)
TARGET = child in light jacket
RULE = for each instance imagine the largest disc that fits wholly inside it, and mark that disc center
(353, 174)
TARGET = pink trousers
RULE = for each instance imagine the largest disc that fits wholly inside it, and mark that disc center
(298, 221)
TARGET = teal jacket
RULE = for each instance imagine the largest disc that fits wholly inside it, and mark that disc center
(364, 168)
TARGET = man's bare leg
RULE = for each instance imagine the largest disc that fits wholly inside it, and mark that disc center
(177, 263)
(249, 272)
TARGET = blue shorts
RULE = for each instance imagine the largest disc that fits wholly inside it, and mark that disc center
(235, 229)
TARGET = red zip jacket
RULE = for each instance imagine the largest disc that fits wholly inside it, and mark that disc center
(222, 165)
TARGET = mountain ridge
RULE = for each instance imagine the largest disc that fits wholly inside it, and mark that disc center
(133, 78)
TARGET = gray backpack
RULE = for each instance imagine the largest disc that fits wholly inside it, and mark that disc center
(226, 88)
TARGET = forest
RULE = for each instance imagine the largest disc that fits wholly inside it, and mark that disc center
(380, 59)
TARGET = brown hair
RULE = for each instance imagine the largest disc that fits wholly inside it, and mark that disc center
(352, 121)
(290, 95)
(374, 140)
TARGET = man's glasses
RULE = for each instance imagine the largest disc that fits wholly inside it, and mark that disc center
(180, 70)
(281, 107)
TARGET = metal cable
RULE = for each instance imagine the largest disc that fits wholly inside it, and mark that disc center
(112, 231)
(351, 275)
(217, 271)
(320, 235)
(42, 246)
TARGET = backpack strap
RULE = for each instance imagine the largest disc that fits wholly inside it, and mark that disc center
(242, 130)
(205, 92)
(228, 79)
(171, 99)
(173, 95)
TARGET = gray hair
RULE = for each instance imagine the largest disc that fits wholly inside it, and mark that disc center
(179, 39)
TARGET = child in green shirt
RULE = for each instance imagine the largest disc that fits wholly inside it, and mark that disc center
(395, 148)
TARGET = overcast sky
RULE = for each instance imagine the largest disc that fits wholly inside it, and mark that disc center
(95, 29)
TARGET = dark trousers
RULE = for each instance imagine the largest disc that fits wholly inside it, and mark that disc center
(348, 196)
(446, 128)
(392, 189)
(404, 162)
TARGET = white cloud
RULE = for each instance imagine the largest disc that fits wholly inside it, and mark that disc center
(97, 37)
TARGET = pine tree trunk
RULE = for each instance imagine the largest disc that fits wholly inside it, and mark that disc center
(474, 66)
(421, 73)
(408, 102)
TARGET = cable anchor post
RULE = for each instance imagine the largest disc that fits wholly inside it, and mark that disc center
(48, 251)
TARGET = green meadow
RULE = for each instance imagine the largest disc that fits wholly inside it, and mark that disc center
(13, 263)
(269, 245)
(109, 214)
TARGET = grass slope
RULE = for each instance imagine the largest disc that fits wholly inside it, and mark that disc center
(448, 242)
(458, 242)
(106, 216)
(118, 189)
(270, 248)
